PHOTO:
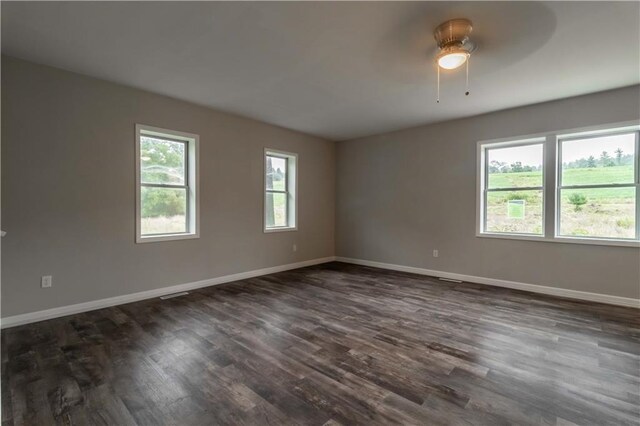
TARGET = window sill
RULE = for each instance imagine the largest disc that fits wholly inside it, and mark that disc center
(597, 241)
(166, 237)
(563, 240)
(283, 229)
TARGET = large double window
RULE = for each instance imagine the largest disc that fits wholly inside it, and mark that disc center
(166, 184)
(571, 187)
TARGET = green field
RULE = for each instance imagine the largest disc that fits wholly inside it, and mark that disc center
(606, 212)
(592, 176)
(603, 212)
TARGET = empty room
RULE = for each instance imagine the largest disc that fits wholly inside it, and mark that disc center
(320, 213)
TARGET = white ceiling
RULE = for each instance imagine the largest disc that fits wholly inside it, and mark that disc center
(334, 69)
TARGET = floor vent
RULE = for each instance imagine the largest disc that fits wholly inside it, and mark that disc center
(171, 296)
(451, 280)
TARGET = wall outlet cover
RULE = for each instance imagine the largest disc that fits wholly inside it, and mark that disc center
(46, 281)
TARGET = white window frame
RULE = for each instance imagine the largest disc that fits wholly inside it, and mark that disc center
(291, 188)
(192, 185)
(552, 185)
(636, 183)
(484, 172)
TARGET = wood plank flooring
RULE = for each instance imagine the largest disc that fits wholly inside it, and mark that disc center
(334, 344)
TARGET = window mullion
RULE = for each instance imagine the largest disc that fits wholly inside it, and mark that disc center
(636, 167)
(552, 197)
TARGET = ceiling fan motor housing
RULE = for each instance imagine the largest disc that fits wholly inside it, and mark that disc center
(453, 33)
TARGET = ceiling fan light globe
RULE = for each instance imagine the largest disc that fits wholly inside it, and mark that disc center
(452, 60)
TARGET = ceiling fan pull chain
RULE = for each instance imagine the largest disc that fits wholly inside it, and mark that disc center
(467, 92)
(438, 98)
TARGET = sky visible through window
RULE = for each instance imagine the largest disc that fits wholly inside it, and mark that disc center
(585, 148)
(528, 155)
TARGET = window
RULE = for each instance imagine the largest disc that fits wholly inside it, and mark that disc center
(280, 191)
(513, 196)
(593, 172)
(167, 180)
(598, 186)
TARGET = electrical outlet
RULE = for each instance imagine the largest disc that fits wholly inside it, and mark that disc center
(436, 253)
(295, 247)
(46, 281)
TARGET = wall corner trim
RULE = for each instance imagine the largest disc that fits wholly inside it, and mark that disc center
(534, 288)
(62, 311)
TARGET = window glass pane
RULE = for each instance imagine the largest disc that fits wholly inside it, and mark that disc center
(598, 212)
(164, 210)
(276, 173)
(162, 161)
(276, 210)
(601, 160)
(515, 167)
(514, 212)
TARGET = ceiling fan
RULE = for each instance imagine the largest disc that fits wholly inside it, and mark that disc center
(455, 47)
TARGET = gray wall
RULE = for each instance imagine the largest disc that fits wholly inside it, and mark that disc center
(68, 195)
(68, 191)
(402, 194)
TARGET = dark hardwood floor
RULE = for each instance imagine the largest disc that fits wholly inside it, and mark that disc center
(331, 344)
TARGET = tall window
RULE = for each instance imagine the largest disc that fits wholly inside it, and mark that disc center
(595, 176)
(598, 185)
(513, 198)
(167, 205)
(280, 191)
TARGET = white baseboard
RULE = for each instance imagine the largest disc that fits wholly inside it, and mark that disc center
(27, 318)
(553, 291)
(16, 320)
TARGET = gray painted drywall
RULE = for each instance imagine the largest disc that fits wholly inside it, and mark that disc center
(68, 191)
(402, 194)
(68, 195)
